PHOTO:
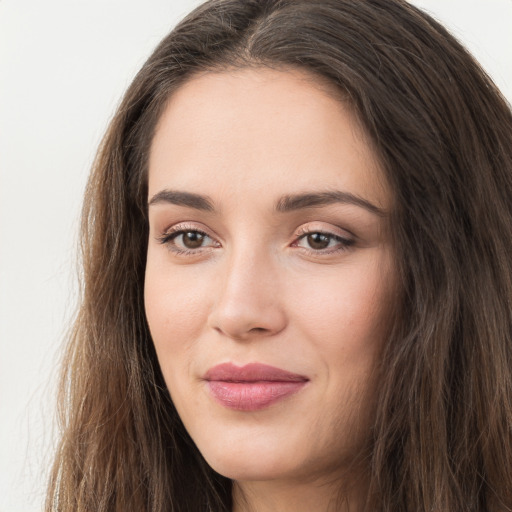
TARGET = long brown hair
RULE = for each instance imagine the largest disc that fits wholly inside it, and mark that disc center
(442, 437)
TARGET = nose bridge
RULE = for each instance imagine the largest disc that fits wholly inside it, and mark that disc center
(248, 302)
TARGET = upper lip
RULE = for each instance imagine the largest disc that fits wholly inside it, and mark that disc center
(253, 372)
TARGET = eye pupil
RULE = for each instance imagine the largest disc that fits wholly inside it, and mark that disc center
(193, 239)
(318, 240)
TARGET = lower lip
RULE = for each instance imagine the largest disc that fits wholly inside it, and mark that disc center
(252, 396)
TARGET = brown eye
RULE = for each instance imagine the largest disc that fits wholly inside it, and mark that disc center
(192, 239)
(318, 241)
(187, 240)
(323, 242)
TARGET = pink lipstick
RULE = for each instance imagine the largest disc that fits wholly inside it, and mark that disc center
(251, 387)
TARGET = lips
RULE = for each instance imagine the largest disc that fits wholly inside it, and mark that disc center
(251, 387)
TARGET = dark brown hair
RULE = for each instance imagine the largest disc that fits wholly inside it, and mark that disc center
(442, 436)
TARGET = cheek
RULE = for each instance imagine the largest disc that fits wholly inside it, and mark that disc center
(176, 311)
(346, 309)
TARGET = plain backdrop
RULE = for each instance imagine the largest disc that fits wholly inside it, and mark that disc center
(64, 65)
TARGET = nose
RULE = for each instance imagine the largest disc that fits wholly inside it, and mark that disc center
(249, 303)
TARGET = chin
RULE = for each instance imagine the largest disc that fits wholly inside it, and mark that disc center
(249, 459)
(251, 470)
(260, 458)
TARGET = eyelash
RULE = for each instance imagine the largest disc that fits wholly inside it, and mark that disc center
(169, 236)
(343, 243)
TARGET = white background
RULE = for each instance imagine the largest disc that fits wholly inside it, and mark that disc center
(64, 65)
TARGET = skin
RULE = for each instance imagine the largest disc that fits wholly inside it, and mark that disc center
(257, 288)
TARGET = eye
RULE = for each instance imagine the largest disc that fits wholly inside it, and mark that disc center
(182, 240)
(318, 241)
(190, 239)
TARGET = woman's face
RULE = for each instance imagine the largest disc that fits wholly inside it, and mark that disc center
(269, 272)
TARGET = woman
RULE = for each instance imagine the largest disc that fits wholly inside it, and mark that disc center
(297, 275)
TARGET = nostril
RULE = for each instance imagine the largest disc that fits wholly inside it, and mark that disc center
(241, 316)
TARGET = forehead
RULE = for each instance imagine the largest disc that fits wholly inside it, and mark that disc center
(262, 130)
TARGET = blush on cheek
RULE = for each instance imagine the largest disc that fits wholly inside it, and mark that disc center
(174, 302)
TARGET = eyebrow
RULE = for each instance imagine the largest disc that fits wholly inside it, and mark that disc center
(179, 198)
(287, 203)
(317, 199)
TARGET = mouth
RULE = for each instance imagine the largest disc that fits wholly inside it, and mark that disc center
(251, 387)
